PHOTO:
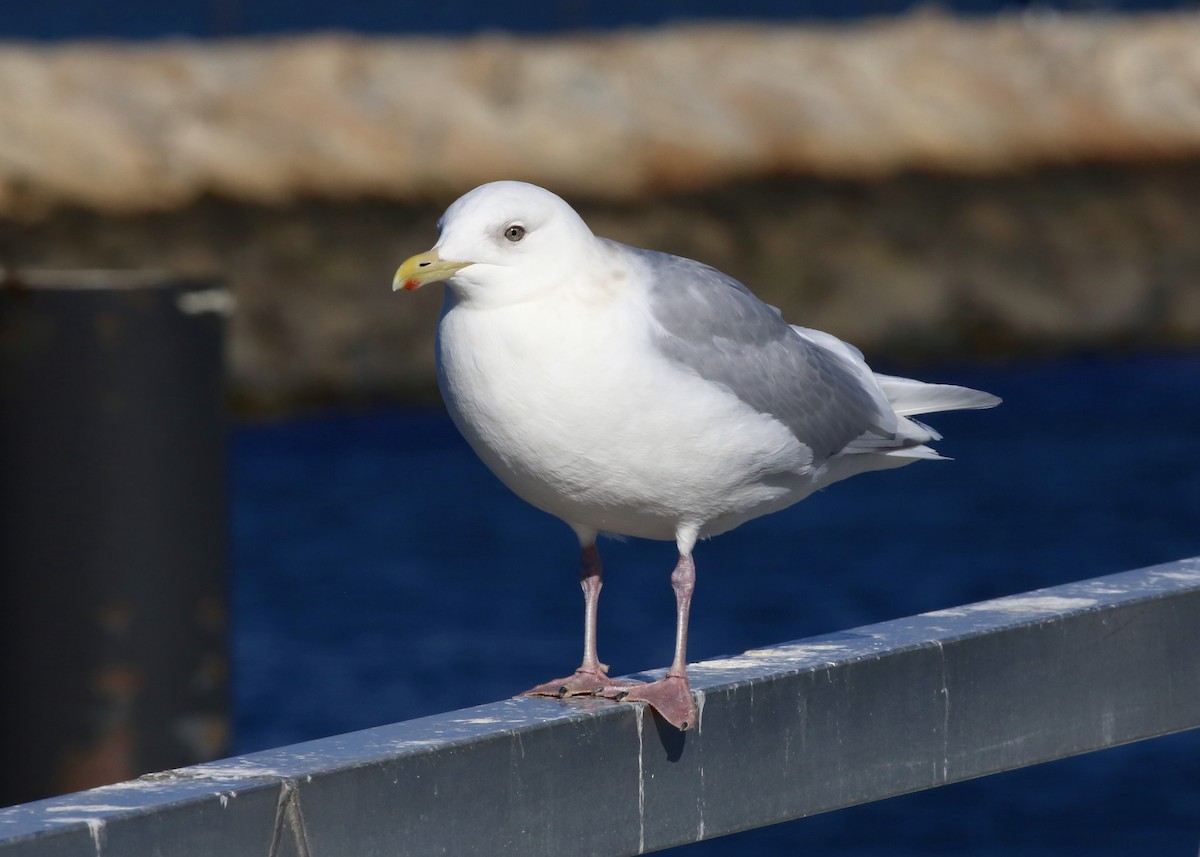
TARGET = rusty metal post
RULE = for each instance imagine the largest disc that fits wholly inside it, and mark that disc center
(113, 528)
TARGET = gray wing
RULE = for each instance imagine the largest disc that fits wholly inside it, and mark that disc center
(714, 326)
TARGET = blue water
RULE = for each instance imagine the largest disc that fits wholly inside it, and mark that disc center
(383, 574)
(154, 19)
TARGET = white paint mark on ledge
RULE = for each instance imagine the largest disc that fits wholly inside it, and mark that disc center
(1031, 605)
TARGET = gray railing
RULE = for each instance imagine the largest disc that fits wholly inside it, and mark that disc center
(784, 732)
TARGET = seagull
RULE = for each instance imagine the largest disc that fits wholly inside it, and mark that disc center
(635, 393)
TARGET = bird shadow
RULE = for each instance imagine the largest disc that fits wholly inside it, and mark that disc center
(673, 740)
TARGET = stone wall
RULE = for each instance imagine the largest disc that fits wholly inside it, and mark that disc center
(613, 116)
(924, 187)
(910, 268)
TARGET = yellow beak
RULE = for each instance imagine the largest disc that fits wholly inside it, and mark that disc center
(424, 268)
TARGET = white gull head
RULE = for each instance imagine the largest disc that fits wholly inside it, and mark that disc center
(502, 243)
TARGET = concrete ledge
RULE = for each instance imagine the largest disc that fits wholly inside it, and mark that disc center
(785, 732)
(134, 128)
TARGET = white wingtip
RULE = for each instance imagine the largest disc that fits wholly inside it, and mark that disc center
(908, 397)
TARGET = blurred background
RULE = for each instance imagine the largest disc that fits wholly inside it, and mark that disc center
(995, 194)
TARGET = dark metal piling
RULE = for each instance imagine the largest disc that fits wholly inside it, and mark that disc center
(113, 545)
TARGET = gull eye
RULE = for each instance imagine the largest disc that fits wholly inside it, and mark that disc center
(515, 233)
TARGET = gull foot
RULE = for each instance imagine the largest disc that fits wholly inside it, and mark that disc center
(582, 683)
(670, 696)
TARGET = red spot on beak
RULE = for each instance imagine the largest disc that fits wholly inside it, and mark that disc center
(410, 285)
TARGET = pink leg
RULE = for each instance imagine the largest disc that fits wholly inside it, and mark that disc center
(592, 676)
(671, 696)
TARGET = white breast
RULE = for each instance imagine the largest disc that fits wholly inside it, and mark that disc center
(575, 411)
